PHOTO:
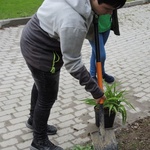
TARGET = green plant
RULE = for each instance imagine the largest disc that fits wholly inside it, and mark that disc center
(115, 100)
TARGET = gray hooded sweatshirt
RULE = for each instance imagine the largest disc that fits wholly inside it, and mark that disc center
(55, 35)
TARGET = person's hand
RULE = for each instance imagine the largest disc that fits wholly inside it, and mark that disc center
(98, 100)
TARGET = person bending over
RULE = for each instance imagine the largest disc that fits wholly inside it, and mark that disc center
(54, 36)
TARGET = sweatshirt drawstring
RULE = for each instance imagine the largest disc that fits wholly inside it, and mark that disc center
(56, 58)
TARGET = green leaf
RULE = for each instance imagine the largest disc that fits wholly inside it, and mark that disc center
(122, 110)
(90, 101)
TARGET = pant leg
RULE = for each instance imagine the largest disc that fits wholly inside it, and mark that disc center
(103, 39)
(93, 60)
(47, 86)
(105, 36)
(34, 96)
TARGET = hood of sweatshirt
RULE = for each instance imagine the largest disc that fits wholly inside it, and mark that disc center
(57, 14)
(81, 6)
(68, 21)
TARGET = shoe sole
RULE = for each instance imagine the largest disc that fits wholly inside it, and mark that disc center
(33, 148)
(31, 128)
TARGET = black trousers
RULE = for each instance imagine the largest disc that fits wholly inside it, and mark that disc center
(43, 95)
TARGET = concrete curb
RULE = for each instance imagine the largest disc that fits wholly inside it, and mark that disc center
(136, 2)
(13, 22)
(22, 21)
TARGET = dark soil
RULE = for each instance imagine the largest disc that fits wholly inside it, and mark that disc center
(136, 136)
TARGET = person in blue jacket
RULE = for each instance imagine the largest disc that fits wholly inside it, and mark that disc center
(105, 24)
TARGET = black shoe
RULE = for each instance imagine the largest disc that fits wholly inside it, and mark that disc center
(51, 130)
(44, 145)
(108, 78)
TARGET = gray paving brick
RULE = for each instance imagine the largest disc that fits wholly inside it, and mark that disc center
(55, 115)
(3, 130)
(140, 94)
(12, 134)
(65, 138)
(78, 133)
(17, 87)
(66, 145)
(80, 112)
(65, 131)
(66, 124)
(12, 101)
(78, 120)
(67, 111)
(24, 102)
(147, 90)
(9, 142)
(24, 144)
(2, 125)
(7, 82)
(27, 136)
(5, 86)
(7, 112)
(16, 126)
(22, 108)
(5, 118)
(143, 99)
(79, 126)
(5, 107)
(82, 106)
(10, 148)
(66, 117)
(68, 90)
(66, 101)
(18, 120)
(67, 95)
(80, 140)
(1, 104)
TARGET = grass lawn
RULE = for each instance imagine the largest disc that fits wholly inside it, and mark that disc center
(18, 8)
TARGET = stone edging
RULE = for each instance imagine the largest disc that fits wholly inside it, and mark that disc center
(13, 22)
(136, 2)
(22, 21)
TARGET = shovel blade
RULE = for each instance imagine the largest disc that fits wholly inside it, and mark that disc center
(104, 142)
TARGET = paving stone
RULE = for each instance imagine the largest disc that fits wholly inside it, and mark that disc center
(12, 134)
(65, 138)
(24, 144)
(16, 126)
(10, 148)
(5, 118)
(9, 142)
(3, 130)
(65, 131)
(66, 145)
(66, 124)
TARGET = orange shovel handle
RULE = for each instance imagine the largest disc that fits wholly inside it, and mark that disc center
(98, 61)
(100, 78)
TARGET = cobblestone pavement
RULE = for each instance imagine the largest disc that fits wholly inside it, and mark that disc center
(128, 59)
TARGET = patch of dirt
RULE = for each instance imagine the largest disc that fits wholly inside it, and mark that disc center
(136, 136)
